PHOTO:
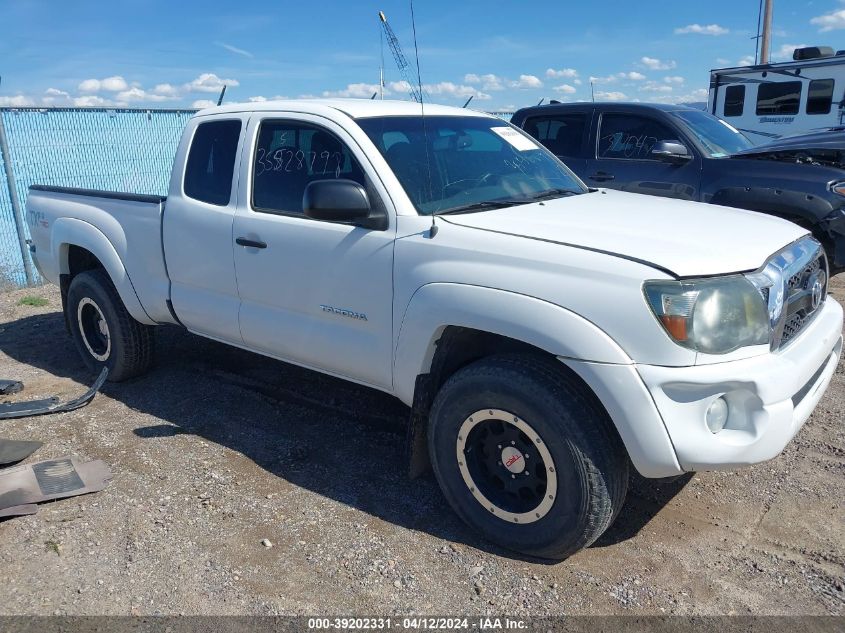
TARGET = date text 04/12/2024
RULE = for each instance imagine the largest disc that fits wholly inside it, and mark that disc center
(417, 623)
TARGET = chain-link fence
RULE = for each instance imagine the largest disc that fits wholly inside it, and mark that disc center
(93, 148)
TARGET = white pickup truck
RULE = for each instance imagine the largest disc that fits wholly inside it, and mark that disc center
(544, 335)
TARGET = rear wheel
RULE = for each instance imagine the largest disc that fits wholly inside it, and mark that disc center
(105, 333)
(525, 457)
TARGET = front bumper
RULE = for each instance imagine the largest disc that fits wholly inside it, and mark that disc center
(660, 411)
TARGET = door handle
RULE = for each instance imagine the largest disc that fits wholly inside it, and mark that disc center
(602, 176)
(242, 241)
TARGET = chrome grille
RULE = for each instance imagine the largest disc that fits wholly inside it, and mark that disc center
(793, 283)
(800, 306)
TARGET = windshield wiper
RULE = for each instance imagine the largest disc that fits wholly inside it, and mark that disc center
(548, 194)
(485, 205)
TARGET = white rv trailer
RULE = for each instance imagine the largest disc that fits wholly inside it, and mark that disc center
(768, 101)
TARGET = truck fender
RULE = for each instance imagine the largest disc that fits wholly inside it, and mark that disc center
(67, 232)
(545, 325)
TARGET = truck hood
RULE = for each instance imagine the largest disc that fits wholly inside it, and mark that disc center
(686, 239)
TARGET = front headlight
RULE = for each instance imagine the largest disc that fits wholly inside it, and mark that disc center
(713, 316)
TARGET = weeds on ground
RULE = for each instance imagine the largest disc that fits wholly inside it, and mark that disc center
(32, 300)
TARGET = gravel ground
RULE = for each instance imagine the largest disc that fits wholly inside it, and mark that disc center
(246, 486)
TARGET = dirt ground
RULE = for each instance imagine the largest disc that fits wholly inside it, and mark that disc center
(218, 449)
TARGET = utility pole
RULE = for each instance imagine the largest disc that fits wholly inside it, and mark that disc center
(766, 39)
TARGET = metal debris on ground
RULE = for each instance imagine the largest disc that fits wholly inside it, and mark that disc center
(14, 451)
(22, 486)
(51, 405)
(8, 387)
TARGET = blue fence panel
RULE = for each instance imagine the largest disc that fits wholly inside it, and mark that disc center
(94, 148)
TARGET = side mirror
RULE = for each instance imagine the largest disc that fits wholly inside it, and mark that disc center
(671, 152)
(337, 200)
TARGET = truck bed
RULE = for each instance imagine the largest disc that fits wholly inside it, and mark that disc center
(128, 225)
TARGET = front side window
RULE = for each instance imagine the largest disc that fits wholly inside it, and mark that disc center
(562, 134)
(782, 97)
(631, 137)
(820, 96)
(288, 156)
(211, 162)
(456, 164)
(734, 100)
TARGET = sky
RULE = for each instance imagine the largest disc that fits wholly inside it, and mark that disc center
(504, 54)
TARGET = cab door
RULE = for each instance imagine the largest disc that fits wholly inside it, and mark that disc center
(197, 228)
(623, 159)
(312, 292)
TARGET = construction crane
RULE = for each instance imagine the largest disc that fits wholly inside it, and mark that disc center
(399, 56)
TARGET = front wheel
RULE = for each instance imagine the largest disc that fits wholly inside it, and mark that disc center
(105, 333)
(526, 457)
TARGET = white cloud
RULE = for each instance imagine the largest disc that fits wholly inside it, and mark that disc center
(577, 82)
(526, 81)
(450, 89)
(262, 99)
(698, 29)
(166, 90)
(611, 96)
(603, 80)
(234, 49)
(90, 101)
(786, 51)
(139, 95)
(488, 81)
(491, 82)
(402, 87)
(633, 76)
(653, 86)
(354, 91)
(17, 101)
(830, 21)
(209, 82)
(695, 96)
(203, 103)
(109, 84)
(657, 64)
(748, 60)
(565, 89)
(563, 73)
(673, 79)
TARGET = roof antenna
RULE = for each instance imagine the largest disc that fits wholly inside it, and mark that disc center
(433, 230)
(222, 92)
(540, 102)
(468, 100)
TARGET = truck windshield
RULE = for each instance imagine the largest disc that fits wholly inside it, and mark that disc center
(456, 164)
(719, 139)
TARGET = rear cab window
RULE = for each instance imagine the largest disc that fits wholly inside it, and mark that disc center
(561, 134)
(211, 162)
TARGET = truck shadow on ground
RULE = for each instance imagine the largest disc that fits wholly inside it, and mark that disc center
(335, 438)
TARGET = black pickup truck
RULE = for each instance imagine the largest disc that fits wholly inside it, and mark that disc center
(680, 152)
